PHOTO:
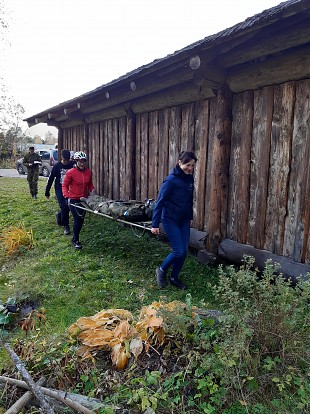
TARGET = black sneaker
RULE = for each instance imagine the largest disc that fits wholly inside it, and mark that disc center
(161, 278)
(66, 230)
(77, 245)
(177, 283)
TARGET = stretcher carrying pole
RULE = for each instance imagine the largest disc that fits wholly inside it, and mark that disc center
(145, 225)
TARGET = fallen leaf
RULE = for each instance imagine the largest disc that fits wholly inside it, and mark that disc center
(136, 347)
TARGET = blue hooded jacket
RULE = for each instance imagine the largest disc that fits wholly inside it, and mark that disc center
(175, 198)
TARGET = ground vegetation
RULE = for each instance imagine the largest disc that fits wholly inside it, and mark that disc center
(94, 322)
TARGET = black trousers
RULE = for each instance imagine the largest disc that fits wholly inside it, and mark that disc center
(64, 209)
(78, 219)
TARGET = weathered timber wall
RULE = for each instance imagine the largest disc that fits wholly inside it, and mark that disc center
(252, 178)
(269, 184)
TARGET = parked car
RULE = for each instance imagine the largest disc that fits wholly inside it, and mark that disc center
(49, 159)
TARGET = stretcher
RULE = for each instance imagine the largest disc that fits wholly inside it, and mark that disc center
(138, 228)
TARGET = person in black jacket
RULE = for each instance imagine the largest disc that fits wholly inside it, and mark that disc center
(58, 173)
(174, 209)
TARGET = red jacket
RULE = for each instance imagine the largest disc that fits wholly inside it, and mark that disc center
(77, 183)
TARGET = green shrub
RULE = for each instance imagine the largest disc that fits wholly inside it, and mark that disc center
(255, 359)
(264, 337)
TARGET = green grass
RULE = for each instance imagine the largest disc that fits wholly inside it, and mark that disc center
(115, 269)
(255, 360)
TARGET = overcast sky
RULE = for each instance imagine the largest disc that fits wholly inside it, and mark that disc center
(60, 49)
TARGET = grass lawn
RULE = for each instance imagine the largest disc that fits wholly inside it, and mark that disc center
(115, 268)
(254, 359)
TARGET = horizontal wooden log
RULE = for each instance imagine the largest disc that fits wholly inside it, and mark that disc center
(172, 97)
(78, 402)
(197, 239)
(109, 113)
(207, 258)
(209, 74)
(19, 404)
(275, 70)
(233, 251)
(264, 43)
(144, 86)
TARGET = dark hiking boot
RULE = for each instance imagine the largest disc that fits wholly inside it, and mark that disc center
(177, 283)
(66, 230)
(161, 278)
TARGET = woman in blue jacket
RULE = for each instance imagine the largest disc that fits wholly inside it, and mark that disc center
(174, 209)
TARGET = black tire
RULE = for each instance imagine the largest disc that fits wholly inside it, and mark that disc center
(45, 172)
(20, 169)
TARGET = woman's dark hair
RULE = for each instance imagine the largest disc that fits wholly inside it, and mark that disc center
(186, 156)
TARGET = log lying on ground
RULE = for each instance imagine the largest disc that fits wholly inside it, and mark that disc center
(79, 403)
(29, 380)
(19, 404)
(233, 251)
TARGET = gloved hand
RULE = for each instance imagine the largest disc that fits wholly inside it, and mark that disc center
(92, 193)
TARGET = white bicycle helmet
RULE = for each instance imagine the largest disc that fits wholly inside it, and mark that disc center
(79, 155)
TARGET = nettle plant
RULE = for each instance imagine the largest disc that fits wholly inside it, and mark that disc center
(264, 337)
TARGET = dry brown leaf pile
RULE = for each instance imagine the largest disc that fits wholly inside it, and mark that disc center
(114, 330)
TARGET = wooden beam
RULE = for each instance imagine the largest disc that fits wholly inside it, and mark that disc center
(176, 95)
(77, 116)
(266, 42)
(209, 74)
(42, 119)
(109, 113)
(72, 108)
(273, 71)
(51, 122)
(144, 86)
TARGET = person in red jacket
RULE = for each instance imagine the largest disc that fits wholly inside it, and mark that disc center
(78, 183)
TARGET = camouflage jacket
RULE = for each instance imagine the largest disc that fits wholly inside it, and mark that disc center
(32, 160)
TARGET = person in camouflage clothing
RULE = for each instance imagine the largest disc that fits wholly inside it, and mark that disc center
(32, 161)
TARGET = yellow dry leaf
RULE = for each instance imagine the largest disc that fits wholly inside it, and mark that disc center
(147, 346)
(142, 324)
(96, 337)
(74, 329)
(172, 306)
(109, 315)
(154, 321)
(119, 356)
(143, 335)
(160, 335)
(155, 305)
(88, 323)
(136, 347)
(114, 341)
(84, 351)
(150, 312)
(122, 331)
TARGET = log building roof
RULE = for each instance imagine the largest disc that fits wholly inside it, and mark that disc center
(270, 47)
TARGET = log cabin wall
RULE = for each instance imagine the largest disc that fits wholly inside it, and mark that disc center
(252, 178)
(269, 179)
